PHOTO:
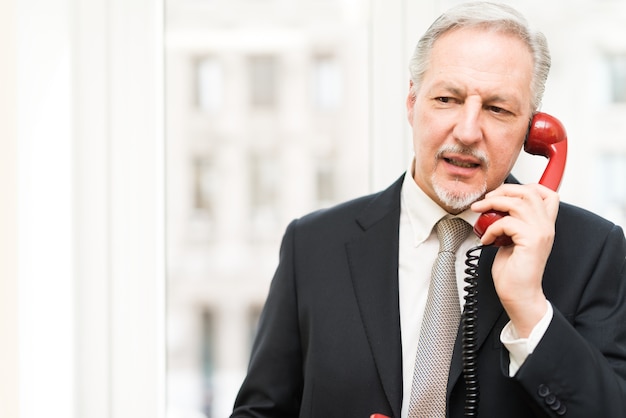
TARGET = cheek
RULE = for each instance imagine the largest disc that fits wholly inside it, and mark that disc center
(427, 132)
(425, 147)
(503, 153)
(502, 160)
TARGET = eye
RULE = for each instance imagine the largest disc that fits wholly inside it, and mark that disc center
(498, 110)
(444, 99)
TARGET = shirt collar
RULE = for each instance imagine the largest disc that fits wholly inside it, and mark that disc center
(423, 212)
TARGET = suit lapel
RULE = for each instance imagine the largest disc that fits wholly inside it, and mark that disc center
(489, 310)
(373, 260)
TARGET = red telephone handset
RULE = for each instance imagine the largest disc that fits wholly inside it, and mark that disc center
(547, 137)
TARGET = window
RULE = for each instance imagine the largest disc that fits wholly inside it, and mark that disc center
(325, 182)
(209, 79)
(612, 187)
(208, 361)
(326, 85)
(617, 77)
(204, 184)
(263, 80)
(204, 191)
(264, 183)
(245, 174)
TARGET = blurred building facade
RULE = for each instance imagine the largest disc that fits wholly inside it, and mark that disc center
(267, 106)
(266, 120)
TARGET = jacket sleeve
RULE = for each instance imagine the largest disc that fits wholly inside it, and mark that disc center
(579, 367)
(273, 385)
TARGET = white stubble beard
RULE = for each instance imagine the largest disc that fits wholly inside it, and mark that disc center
(454, 199)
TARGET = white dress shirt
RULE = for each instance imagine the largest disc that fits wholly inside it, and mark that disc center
(418, 249)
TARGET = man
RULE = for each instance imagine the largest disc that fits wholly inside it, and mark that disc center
(340, 331)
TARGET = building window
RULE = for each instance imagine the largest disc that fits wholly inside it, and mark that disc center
(204, 192)
(209, 84)
(612, 187)
(204, 184)
(208, 361)
(326, 83)
(263, 80)
(264, 193)
(325, 182)
(617, 77)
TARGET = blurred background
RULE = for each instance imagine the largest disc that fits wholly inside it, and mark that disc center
(153, 152)
(268, 117)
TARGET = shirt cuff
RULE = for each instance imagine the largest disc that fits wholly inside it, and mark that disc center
(520, 348)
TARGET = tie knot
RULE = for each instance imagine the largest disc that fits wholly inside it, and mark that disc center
(451, 233)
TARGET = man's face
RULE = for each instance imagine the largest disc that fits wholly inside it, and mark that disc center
(470, 115)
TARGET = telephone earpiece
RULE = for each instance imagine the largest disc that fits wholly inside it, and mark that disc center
(547, 137)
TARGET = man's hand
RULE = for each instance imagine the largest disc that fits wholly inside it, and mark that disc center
(518, 269)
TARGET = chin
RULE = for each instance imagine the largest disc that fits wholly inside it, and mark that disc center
(456, 199)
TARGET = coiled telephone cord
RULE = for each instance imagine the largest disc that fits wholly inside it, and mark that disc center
(468, 324)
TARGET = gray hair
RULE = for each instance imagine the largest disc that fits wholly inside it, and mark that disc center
(497, 17)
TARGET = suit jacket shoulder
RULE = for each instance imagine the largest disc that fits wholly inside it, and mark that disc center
(365, 210)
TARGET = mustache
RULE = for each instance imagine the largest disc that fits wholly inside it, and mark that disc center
(458, 149)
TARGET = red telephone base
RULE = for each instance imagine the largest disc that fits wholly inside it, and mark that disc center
(378, 416)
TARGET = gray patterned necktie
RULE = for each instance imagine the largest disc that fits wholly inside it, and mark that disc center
(439, 327)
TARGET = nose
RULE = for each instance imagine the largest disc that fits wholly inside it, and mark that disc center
(468, 129)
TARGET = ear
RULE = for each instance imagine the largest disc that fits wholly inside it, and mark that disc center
(410, 103)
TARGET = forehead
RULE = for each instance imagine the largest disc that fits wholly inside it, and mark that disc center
(480, 58)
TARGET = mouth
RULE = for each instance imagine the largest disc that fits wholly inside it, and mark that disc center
(463, 160)
(462, 163)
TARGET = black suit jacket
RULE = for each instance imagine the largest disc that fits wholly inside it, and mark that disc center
(329, 344)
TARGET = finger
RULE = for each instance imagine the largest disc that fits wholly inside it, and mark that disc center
(509, 204)
(521, 190)
(551, 199)
(521, 232)
(536, 200)
(516, 198)
(501, 227)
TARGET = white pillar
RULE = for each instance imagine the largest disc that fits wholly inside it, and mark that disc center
(45, 247)
(9, 347)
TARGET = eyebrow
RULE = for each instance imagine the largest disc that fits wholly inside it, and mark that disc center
(494, 98)
(448, 88)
